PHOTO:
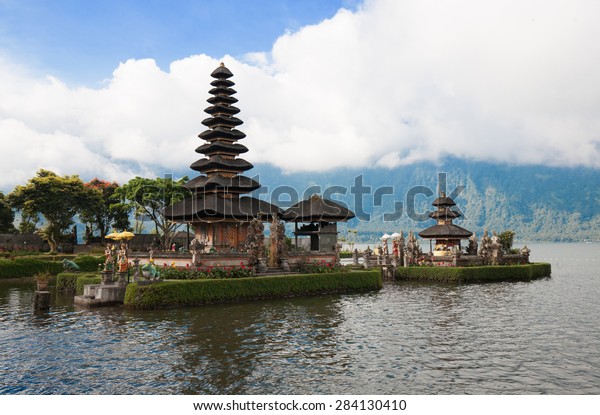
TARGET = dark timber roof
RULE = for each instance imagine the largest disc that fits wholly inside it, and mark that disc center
(444, 213)
(443, 200)
(217, 191)
(449, 231)
(317, 209)
(216, 207)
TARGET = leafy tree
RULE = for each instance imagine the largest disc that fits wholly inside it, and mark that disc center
(105, 209)
(28, 223)
(506, 241)
(58, 199)
(7, 216)
(149, 197)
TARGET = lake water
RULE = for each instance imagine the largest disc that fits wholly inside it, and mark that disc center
(539, 337)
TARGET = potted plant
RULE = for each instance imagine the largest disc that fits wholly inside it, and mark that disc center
(42, 279)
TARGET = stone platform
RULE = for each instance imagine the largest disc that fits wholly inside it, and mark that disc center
(97, 295)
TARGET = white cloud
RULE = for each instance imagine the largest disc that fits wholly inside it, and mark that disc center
(390, 84)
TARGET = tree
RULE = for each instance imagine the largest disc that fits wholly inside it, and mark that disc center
(506, 241)
(7, 216)
(149, 197)
(105, 209)
(28, 223)
(58, 199)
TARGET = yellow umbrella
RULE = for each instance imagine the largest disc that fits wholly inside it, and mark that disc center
(126, 235)
(112, 235)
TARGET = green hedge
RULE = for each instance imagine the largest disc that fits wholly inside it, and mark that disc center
(27, 267)
(198, 292)
(69, 281)
(475, 274)
(88, 263)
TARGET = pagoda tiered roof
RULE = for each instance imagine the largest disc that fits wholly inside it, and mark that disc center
(445, 229)
(216, 192)
(222, 164)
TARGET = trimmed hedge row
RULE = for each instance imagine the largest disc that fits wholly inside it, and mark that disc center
(198, 292)
(476, 274)
(74, 281)
(88, 263)
(28, 267)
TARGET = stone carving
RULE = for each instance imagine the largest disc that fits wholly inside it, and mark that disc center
(413, 250)
(196, 248)
(277, 249)
(472, 248)
(485, 248)
(366, 254)
(496, 249)
(255, 239)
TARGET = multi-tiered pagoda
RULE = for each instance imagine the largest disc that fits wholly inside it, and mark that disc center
(446, 234)
(217, 210)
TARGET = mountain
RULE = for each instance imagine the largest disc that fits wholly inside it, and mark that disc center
(537, 202)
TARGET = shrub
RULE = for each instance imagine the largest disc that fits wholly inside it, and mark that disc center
(188, 293)
(27, 267)
(476, 274)
(316, 267)
(88, 263)
(205, 272)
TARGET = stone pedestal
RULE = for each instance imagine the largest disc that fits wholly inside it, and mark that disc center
(355, 257)
(285, 264)
(388, 273)
(262, 265)
(122, 279)
(107, 277)
(136, 267)
(95, 295)
(42, 300)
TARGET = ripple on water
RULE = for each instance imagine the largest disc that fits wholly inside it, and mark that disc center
(506, 338)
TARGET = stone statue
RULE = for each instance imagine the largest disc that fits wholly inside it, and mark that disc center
(496, 249)
(255, 239)
(122, 258)
(109, 262)
(485, 249)
(413, 250)
(366, 254)
(277, 249)
(195, 248)
(472, 248)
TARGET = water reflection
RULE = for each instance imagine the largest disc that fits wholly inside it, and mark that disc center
(526, 337)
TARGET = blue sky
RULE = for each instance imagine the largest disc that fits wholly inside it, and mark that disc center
(114, 89)
(82, 42)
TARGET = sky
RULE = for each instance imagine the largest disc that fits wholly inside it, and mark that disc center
(114, 89)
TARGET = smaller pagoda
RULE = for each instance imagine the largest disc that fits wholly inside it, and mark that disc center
(446, 234)
(320, 217)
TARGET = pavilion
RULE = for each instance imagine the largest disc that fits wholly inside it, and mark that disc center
(446, 234)
(320, 217)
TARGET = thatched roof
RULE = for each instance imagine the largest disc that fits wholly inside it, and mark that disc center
(449, 231)
(215, 207)
(446, 213)
(229, 184)
(443, 200)
(317, 209)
